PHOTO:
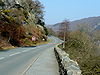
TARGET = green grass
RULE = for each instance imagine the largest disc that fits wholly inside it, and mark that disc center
(45, 42)
(7, 48)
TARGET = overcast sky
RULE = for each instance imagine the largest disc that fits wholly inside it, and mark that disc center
(58, 10)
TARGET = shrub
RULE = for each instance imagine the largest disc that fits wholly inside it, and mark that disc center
(81, 48)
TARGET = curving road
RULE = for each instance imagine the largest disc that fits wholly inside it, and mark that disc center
(16, 61)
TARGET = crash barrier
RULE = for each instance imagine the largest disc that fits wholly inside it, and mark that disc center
(66, 65)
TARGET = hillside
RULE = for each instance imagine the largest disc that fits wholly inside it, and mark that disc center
(92, 21)
(97, 27)
(21, 23)
(82, 43)
(55, 27)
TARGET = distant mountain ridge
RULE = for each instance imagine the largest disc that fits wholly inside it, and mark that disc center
(55, 27)
(93, 21)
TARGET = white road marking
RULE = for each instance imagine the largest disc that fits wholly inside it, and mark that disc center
(25, 51)
(20, 52)
(2, 58)
(14, 54)
(28, 50)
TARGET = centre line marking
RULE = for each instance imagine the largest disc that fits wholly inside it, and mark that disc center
(2, 58)
(25, 51)
(14, 54)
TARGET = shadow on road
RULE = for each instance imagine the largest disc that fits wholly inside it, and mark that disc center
(4, 50)
(28, 46)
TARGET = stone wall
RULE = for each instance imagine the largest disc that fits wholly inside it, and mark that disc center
(66, 65)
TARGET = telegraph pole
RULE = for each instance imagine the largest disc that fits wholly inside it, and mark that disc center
(65, 29)
(64, 35)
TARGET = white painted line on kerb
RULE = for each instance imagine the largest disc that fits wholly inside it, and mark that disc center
(14, 54)
(2, 58)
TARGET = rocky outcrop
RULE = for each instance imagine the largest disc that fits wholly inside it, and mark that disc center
(13, 2)
(18, 20)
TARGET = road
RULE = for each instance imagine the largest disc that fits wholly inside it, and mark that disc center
(16, 61)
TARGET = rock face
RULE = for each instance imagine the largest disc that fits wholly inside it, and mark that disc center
(20, 23)
(10, 3)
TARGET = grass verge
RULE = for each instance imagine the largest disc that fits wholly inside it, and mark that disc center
(12, 47)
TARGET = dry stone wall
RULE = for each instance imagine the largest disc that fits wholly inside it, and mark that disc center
(66, 65)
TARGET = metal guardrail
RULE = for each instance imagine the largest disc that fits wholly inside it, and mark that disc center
(66, 65)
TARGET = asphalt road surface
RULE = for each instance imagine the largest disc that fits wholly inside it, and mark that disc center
(16, 61)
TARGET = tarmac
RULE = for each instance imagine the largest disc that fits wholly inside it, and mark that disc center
(46, 64)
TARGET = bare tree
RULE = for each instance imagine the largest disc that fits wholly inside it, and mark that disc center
(63, 31)
(37, 8)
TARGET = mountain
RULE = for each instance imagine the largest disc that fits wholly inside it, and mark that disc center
(92, 21)
(54, 27)
(97, 28)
